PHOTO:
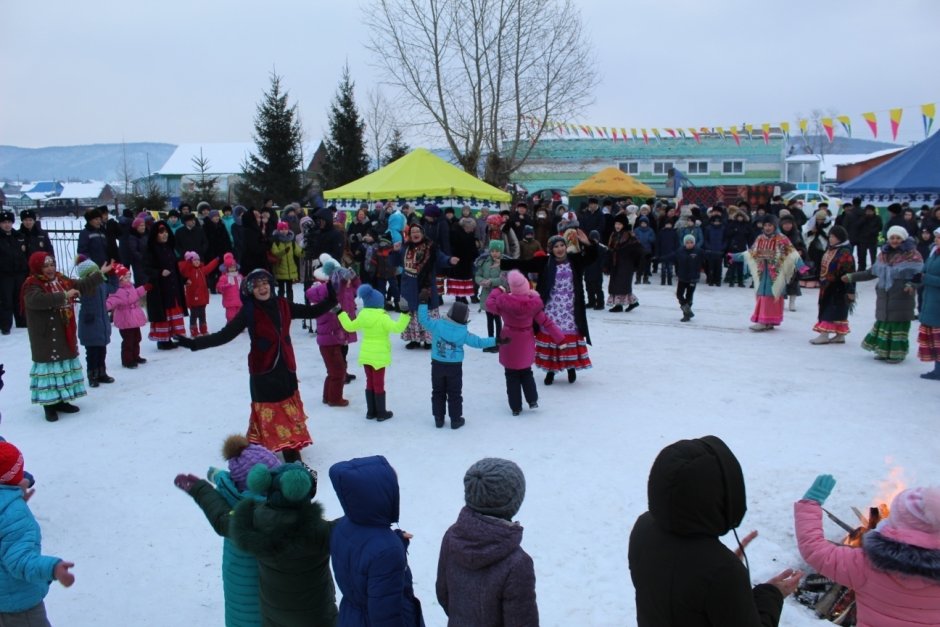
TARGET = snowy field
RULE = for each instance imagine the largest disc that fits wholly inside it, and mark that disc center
(146, 556)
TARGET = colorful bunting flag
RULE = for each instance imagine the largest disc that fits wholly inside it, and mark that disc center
(633, 132)
(613, 133)
(587, 130)
(601, 130)
(672, 132)
(803, 125)
(698, 139)
(656, 133)
(720, 131)
(929, 112)
(872, 120)
(749, 129)
(646, 139)
(785, 127)
(895, 122)
(623, 133)
(765, 131)
(846, 124)
(828, 127)
(734, 133)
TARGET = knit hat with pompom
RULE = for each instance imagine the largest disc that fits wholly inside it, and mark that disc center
(84, 266)
(242, 456)
(287, 486)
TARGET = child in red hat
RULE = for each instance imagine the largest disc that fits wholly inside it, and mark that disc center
(128, 315)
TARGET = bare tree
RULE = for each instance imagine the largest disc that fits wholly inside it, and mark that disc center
(816, 141)
(126, 173)
(490, 74)
(380, 124)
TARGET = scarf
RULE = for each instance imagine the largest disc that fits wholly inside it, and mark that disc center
(59, 283)
(776, 255)
(417, 256)
(897, 264)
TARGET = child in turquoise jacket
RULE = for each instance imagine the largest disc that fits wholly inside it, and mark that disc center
(448, 337)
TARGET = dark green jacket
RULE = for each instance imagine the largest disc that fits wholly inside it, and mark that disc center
(292, 545)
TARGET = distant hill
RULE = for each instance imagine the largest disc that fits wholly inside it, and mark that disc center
(101, 162)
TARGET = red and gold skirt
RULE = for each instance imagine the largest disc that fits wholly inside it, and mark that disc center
(278, 426)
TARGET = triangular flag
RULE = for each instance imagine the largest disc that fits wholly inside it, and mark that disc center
(656, 133)
(720, 131)
(734, 133)
(827, 126)
(681, 133)
(601, 130)
(929, 111)
(646, 138)
(672, 132)
(623, 133)
(633, 132)
(613, 133)
(765, 131)
(749, 128)
(846, 124)
(872, 121)
(895, 122)
(803, 125)
(698, 138)
(785, 128)
(587, 130)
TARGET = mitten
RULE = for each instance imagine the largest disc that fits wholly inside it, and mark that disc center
(821, 489)
(148, 287)
(803, 270)
(424, 296)
(185, 342)
(337, 308)
(185, 482)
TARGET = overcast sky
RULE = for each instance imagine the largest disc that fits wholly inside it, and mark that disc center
(101, 71)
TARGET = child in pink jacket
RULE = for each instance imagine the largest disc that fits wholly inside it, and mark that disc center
(896, 573)
(128, 316)
(519, 309)
(229, 286)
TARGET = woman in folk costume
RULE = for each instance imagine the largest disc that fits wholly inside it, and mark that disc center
(166, 302)
(836, 298)
(46, 299)
(897, 268)
(421, 259)
(772, 260)
(928, 338)
(277, 421)
(561, 287)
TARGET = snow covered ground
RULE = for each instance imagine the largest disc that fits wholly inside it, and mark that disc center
(146, 556)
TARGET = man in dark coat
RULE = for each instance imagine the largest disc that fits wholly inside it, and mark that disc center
(683, 574)
(592, 218)
(35, 238)
(112, 232)
(13, 270)
(191, 237)
(92, 240)
(326, 238)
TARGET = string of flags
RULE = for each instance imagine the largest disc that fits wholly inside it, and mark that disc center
(567, 129)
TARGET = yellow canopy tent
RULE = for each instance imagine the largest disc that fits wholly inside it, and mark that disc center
(418, 174)
(611, 182)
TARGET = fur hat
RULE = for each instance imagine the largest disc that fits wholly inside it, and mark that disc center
(899, 231)
(27, 213)
(191, 255)
(459, 312)
(84, 266)
(497, 244)
(822, 214)
(11, 464)
(371, 297)
(7, 216)
(189, 217)
(214, 214)
(37, 260)
(839, 232)
(242, 456)
(569, 220)
(286, 486)
(467, 223)
(914, 518)
(518, 283)
(784, 214)
(632, 208)
(203, 205)
(495, 487)
(327, 267)
(688, 238)
(621, 218)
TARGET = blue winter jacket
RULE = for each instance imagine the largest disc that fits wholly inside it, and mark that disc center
(713, 238)
(94, 325)
(930, 309)
(25, 573)
(448, 337)
(646, 237)
(369, 558)
(667, 243)
(93, 243)
(689, 264)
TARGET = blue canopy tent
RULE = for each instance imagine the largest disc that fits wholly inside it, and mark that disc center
(913, 175)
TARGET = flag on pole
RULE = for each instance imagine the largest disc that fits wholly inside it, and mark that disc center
(785, 128)
(895, 122)
(846, 124)
(828, 127)
(872, 121)
(929, 112)
(803, 125)
(765, 131)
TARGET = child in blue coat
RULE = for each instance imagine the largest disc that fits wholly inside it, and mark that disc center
(94, 325)
(448, 337)
(25, 573)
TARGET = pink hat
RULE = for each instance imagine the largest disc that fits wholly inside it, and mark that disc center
(228, 259)
(914, 518)
(518, 284)
(283, 226)
(191, 255)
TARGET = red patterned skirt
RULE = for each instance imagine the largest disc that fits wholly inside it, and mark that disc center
(459, 287)
(928, 343)
(571, 353)
(278, 426)
(175, 324)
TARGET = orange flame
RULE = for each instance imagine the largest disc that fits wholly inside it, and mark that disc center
(895, 483)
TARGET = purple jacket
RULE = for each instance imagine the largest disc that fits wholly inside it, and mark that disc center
(329, 331)
(518, 313)
(484, 578)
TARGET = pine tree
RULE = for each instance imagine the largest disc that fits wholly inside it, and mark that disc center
(396, 149)
(204, 186)
(276, 169)
(346, 158)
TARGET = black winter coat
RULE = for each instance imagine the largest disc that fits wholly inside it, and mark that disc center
(546, 267)
(167, 290)
(683, 574)
(12, 257)
(192, 239)
(36, 240)
(217, 240)
(134, 252)
(868, 229)
(623, 259)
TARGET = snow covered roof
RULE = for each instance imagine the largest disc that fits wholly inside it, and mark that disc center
(35, 195)
(82, 190)
(223, 158)
(45, 187)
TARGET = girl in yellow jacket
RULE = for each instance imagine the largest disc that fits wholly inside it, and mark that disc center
(287, 252)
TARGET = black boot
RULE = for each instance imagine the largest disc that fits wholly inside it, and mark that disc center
(291, 455)
(572, 375)
(51, 414)
(103, 376)
(381, 414)
(350, 377)
(439, 422)
(370, 404)
(616, 309)
(549, 378)
(456, 423)
(64, 407)
(93, 377)
(686, 311)
(413, 345)
(632, 306)
(662, 280)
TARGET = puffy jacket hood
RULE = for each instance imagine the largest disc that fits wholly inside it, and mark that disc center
(477, 541)
(367, 489)
(696, 487)
(518, 309)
